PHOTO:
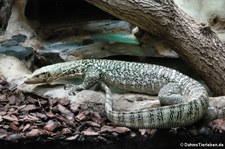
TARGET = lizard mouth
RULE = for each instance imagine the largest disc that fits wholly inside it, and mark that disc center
(31, 81)
(36, 81)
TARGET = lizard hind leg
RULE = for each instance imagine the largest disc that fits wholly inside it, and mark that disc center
(170, 94)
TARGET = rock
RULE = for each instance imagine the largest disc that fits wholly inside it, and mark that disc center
(96, 45)
(18, 51)
(83, 97)
(8, 43)
(212, 14)
(13, 70)
(19, 38)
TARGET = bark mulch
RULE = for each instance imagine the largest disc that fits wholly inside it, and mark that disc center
(27, 119)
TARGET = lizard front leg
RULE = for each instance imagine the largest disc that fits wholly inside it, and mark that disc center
(90, 79)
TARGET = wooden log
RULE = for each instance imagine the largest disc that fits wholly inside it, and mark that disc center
(195, 43)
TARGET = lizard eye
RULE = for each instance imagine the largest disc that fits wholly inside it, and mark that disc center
(45, 76)
(37, 76)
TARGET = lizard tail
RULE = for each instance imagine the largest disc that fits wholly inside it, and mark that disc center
(161, 117)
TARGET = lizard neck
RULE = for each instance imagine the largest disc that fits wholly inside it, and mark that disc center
(74, 69)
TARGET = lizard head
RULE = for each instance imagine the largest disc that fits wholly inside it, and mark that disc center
(50, 73)
(41, 75)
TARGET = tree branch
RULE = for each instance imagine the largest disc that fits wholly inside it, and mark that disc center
(195, 43)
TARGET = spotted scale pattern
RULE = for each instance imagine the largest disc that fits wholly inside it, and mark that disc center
(190, 95)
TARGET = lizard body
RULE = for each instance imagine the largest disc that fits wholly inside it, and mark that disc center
(185, 100)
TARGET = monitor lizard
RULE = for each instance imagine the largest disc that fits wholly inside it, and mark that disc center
(184, 101)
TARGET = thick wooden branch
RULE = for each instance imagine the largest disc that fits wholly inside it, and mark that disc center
(5, 11)
(195, 43)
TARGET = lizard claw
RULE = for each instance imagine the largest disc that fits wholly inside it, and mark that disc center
(72, 93)
(68, 86)
(72, 89)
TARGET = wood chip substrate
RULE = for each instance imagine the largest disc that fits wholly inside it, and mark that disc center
(29, 119)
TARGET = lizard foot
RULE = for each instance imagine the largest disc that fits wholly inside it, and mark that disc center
(72, 89)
